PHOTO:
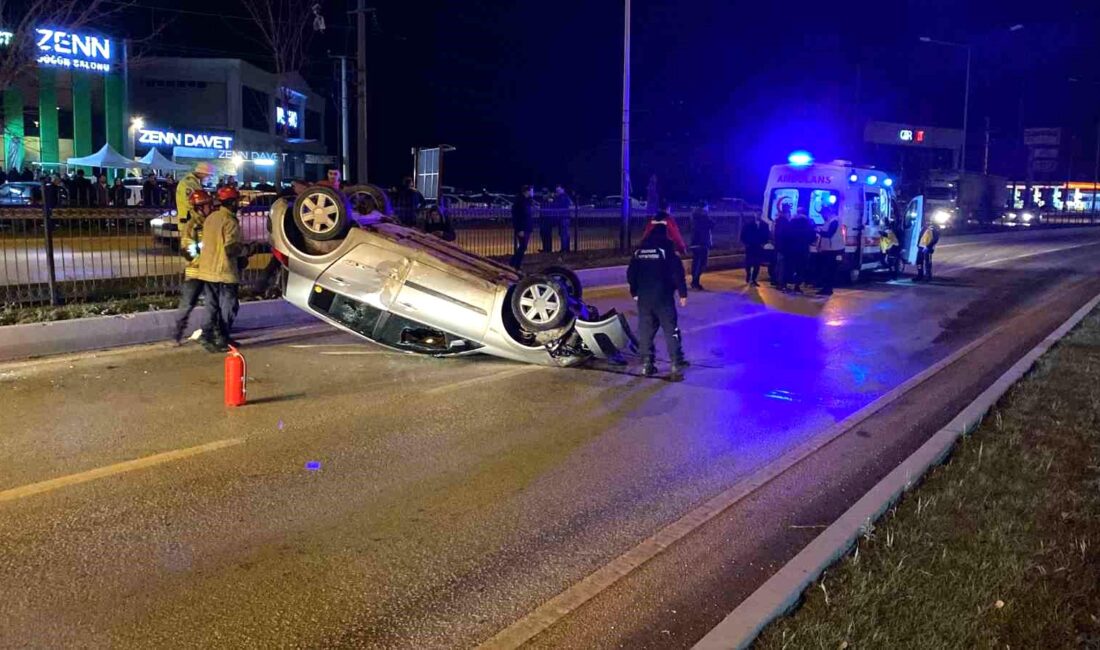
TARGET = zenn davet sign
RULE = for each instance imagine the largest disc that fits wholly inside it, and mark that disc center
(70, 50)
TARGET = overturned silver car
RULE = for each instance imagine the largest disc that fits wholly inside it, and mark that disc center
(401, 288)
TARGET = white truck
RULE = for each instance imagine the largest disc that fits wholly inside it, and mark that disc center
(953, 198)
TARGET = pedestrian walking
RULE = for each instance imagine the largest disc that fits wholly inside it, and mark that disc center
(926, 246)
(199, 206)
(702, 240)
(830, 246)
(664, 218)
(408, 202)
(219, 267)
(656, 275)
(754, 236)
(522, 222)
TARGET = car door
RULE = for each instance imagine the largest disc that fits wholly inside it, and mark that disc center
(914, 224)
(367, 273)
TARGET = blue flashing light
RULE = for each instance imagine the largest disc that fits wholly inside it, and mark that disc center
(872, 179)
(832, 199)
(853, 178)
(888, 182)
(800, 159)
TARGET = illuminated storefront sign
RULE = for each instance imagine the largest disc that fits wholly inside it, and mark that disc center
(258, 157)
(910, 135)
(61, 49)
(157, 137)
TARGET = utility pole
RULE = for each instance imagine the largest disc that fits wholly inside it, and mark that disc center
(966, 110)
(624, 231)
(361, 91)
(345, 155)
(985, 161)
(1096, 170)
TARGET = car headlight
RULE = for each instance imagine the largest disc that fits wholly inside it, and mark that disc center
(941, 217)
(156, 222)
(1027, 217)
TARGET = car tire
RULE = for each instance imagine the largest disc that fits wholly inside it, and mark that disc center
(321, 213)
(568, 279)
(540, 303)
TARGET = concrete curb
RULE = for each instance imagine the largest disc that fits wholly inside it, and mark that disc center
(103, 332)
(782, 591)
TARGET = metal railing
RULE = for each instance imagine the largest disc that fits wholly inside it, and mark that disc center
(106, 253)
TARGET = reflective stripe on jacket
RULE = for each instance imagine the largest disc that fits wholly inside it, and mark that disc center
(221, 248)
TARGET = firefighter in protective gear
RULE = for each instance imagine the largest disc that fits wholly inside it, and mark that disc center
(188, 184)
(926, 246)
(830, 246)
(656, 274)
(199, 205)
(219, 266)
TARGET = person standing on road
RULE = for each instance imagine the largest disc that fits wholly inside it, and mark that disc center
(830, 245)
(754, 236)
(558, 215)
(702, 240)
(926, 246)
(407, 203)
(219, 267)
(656, 275)
(522, 221)
(801, 236)
(199, 206)
(782, 237)
(664, 218)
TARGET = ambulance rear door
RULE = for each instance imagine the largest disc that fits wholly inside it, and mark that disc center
(914, 225)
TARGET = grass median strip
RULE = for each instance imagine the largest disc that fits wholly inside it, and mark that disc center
(1000, 547)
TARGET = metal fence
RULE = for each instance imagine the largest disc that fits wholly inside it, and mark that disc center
(105, 253)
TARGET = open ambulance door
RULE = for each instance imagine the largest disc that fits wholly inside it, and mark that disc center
(914, 225)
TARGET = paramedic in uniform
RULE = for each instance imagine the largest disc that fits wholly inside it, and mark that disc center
(656, 274)
(929, 237)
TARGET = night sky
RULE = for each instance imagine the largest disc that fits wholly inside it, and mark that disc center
(530, 91)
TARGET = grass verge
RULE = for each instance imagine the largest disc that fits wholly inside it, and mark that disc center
(999, 547)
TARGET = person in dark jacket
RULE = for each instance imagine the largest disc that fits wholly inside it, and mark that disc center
(119, 195)
(702, 240)
(437, 222)
(782, 236)
(664, 218)
(522, 221)
(656, 275)
(102, 192)
(408, 202)
(150, 192)
(51, 194)
(754, 236)
(801, 235)
(556, 215)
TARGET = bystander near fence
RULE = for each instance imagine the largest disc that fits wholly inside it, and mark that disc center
(113, 253)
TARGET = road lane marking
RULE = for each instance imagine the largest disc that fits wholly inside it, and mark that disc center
(504, 374)
(111, 470)
(550, 612)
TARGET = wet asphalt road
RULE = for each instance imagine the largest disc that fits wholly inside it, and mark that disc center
(452, 496)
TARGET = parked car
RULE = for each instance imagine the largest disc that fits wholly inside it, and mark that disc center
(414, 292)
(23, 193)
(252, 216)
(616, 200)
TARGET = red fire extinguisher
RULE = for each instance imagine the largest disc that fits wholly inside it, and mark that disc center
(235, 376)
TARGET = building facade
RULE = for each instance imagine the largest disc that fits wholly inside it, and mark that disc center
(245, 120)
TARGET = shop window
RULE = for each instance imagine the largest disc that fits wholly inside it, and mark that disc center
(254, 107)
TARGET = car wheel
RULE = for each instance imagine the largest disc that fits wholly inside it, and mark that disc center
(540, 303)
(321, 213)
(567, 278)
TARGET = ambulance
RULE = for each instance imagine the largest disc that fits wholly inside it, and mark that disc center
(865, 200)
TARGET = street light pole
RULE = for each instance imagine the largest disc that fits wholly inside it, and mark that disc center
(624, 180)
(966, 111)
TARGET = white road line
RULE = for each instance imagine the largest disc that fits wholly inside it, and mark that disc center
(111, 470)
(730, 321)
(481, 380)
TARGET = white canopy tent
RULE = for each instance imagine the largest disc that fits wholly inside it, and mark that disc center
(107, 158)
(156, 160)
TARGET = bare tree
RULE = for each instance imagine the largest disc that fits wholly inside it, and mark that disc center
(285, 28)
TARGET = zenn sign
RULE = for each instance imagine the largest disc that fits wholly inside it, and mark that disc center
(185, 139)
(77, 51)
